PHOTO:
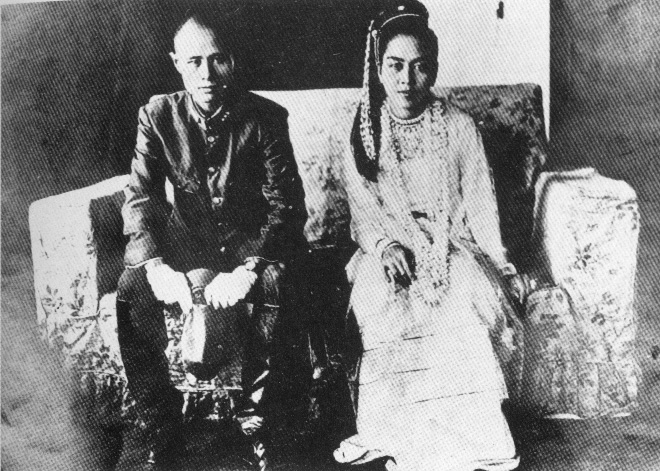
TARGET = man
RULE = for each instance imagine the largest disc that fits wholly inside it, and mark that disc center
(238, 213)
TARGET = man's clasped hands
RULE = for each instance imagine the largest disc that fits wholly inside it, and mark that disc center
(172, 286)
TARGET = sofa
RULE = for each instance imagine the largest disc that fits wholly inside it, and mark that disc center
(574, 233)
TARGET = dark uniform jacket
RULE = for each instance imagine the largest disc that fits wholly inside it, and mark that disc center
(237, 192)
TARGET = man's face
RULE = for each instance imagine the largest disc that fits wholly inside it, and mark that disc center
(205, 65)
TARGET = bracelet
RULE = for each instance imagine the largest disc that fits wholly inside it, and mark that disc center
(254, 264)
(383, 244)
(508, 270)
(391, 244)
(153, 263)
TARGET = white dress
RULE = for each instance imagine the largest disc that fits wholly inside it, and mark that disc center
(432, 373)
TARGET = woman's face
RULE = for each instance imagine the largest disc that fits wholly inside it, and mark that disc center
(407, 75)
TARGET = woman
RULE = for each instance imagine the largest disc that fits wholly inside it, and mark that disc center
(436, 328)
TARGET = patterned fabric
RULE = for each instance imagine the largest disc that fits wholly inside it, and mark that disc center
(412, 150)
(66, 257)
(319, 128)
(431, 352)
(71, 270)
(580, 357)
(510, 120)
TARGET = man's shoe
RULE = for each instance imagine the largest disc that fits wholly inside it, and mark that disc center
(154, 462)
(260, 456)
(166, 458)
(161, 462)
(251, 427)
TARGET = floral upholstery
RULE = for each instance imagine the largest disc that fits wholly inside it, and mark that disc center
(77, 247)
(77, 241)
(510, 119)
(72, 314)
(580, 351)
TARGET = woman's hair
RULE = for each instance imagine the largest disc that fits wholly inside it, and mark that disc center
(405, 17)
(409, 26)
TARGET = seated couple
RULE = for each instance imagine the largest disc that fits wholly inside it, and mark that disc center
(430, 276)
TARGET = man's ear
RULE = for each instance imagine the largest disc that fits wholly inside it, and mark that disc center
(175, 61)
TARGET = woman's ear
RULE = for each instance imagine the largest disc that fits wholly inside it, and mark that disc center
(434, 74)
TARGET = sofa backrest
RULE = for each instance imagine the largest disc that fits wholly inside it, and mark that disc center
(510, 118)
(85, 225)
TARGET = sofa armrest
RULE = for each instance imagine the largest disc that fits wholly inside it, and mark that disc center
(580, 334)
(586, 228)
(70, 268)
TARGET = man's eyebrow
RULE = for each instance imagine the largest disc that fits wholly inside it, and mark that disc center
(398, 59)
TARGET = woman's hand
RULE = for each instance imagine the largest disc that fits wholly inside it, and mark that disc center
(397, 266)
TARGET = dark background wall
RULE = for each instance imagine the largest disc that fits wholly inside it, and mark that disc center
(605, 113)
(74, 75)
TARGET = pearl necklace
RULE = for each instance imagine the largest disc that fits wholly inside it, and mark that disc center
(432, 253)
(438, 126)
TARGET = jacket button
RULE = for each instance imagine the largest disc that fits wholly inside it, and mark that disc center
(211, 138)
(212, 169)
(217, 200)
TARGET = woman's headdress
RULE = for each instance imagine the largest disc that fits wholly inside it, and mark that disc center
(366, 125)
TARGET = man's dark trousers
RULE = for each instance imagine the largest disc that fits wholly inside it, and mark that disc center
(143, 340)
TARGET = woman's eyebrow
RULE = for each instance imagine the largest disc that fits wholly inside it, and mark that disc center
(399, 59)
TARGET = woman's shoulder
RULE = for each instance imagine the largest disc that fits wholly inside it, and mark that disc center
(454, 116)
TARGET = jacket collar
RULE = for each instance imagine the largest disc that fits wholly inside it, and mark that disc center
(200, 117)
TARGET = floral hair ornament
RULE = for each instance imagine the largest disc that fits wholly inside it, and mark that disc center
(366, 125)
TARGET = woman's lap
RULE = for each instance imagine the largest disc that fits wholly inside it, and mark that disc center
(429, 378)
(471, 299)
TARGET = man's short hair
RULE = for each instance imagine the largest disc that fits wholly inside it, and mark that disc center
(209, 18)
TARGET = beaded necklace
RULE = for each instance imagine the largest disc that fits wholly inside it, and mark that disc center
(431, 249)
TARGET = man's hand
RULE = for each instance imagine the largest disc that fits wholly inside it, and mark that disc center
(168, 285)
(518, 287)
(396, 265)
(227, 289)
